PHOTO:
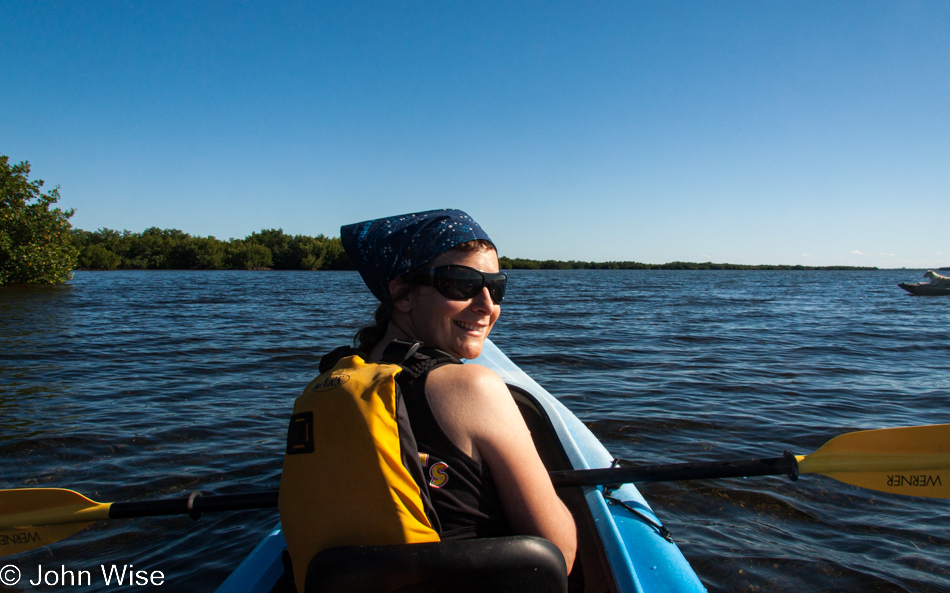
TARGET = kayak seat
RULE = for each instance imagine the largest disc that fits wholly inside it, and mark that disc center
(517, 564)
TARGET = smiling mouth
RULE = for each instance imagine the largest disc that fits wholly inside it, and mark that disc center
(469, 327)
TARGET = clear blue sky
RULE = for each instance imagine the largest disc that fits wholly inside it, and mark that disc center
(746, 132)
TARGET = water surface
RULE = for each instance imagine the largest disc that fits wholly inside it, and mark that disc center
(138, 385)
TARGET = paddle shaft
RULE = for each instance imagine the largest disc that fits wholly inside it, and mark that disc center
(773, 466)
(195, 505)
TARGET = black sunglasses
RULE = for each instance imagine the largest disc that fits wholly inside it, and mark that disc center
(460, 283)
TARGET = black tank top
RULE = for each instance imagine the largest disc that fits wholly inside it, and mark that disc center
(462, 490)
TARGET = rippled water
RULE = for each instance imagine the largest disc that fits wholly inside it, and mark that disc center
(138, 385)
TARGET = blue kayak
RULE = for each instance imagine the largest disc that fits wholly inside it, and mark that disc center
(622, 546)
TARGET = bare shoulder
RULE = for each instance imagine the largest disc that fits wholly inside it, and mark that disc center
(468, 384)
(473, 406)
(469, 372)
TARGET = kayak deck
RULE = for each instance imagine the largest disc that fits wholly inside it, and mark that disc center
(621, 543)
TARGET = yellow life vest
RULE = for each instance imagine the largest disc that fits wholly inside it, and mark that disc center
(345, 478)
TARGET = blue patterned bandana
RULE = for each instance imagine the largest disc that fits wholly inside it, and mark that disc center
(386, 248)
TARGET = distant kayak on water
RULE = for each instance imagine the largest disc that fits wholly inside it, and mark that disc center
(937, 285)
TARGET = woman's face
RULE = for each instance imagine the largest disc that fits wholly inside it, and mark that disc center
(458, 327)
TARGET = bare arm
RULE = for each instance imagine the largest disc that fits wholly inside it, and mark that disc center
(477, 412)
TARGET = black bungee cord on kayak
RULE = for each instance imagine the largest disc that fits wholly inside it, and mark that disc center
(661, 529)
(639, 513)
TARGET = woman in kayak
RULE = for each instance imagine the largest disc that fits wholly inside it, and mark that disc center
(436, 274)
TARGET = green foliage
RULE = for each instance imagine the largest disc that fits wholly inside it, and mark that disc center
(309, 252)
(522, 264)
(211, 253)
(97, 257)
(506, 263)
(35, 241)
(248, 255)
(273, 249)
(335, 258)
(157, 249)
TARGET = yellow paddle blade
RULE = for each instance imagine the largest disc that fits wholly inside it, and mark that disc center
(34, 517)
(913, 461)
(14, 540)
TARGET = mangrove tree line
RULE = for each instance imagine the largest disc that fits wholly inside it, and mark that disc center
(169, 249)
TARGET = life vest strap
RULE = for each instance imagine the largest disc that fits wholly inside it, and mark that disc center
(399, 351)
(415, 358)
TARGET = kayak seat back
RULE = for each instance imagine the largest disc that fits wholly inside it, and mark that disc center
(516, 564)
